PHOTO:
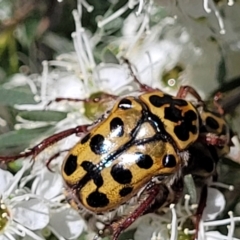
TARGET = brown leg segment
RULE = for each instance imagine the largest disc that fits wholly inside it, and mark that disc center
(101, 98)
(200, 209)
(46, 143)
(214, 140)
(143, 87)
(216, 99)
(185, 90)
(119, 226)
(53, 157)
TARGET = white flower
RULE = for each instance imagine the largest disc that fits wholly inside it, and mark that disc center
(215, 204)
(155, 47)
(22, 213)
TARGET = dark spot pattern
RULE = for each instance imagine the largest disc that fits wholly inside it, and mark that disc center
(125, 191)
(169, 161)
(120, 174)
(182, 131)
(92, 170)
(97, 199)
(173, 114)
(144, 161)
(212, 123)
(117, 125)
(70, 165)
(85, 138)
(158, 101)
(97, 144)
(125, 104)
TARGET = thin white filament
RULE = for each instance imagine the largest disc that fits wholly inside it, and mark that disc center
(141, 30)
(221, 222)
(174, 225)
(218, 16)
(29, 233)
(231, 227)
(140, 7)
(222, 185)
(44, 81)
(88, 50)
(56, 233)
(186, 204)
(206, 7)
(115, 15)
(79, 31)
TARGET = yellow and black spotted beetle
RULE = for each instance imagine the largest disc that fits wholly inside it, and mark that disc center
(138, 152)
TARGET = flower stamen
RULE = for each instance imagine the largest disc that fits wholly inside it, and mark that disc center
(174, 223)
(231, 227)
(222, 185)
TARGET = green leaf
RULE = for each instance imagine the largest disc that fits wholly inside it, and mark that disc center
(44, 116)
(19, 140)
(108, 56)
(222, 70)
(16, 96)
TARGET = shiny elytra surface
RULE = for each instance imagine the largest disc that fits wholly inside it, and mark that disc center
(138, 140)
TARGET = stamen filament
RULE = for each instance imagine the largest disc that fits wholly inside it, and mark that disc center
(56, 233)
(231, 227)
(206, 7)
(186, 204)
(174, 225)
(221, 222)
(44, 81)
(140, 7)
(115, 15)
(222, 185)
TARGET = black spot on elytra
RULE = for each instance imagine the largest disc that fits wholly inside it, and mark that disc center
(144, 161)
(173, 114)
(97, 199)
(182, 131)
(70, 165)
(158, 101)
(85, 138)
(125, 104)
(169, 161)
(97, 144)
(125, 191)
(92, 171)
(120, 174)
(117, 126)
(212, 123)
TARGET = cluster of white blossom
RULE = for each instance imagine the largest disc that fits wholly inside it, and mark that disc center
(164, 55)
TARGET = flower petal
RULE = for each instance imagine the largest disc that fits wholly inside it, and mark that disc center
(215, 204)
(33, 214)
(49, 184)
(6, 179)
(67, 223)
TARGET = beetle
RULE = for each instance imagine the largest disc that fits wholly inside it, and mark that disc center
(135, 155)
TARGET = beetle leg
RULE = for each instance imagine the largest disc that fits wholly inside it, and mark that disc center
(143, 87)
(46, 143)
(217, 97)
(117, 227)
(53, 157)
(200, 209)
(185, 90)
(101, 98)
(214, 140)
